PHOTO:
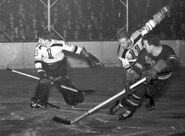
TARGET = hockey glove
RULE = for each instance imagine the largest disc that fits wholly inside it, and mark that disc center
(91, 59)
(160, 65)
(131, 77)
(149, 72)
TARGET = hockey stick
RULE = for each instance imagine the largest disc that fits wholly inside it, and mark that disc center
(52, 105)
(68, 122)
(27, 75)
(21, 73)
(37, 78)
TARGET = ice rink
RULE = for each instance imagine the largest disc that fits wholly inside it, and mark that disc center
(18, 119)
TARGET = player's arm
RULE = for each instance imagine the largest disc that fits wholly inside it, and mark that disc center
(91, 59)
(38, 61)
(124, 62)
(168, 64)
(135, 71)
(140, 62)
(120, 51)
(71, 47)
(150, 25)
(156, 19)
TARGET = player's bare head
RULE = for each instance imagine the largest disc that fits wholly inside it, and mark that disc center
(45, 34)
(123, 39)
(123, 34)
(152, 39)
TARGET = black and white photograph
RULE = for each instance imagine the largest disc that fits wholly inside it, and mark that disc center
(92, 67)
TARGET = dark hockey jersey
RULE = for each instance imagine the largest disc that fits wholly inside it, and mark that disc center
(167, 54)
(129, 55)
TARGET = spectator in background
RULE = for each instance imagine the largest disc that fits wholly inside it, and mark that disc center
(174, 28)
(90, 36)
(42, 24)
(22, 35)
(21, 12)
(28, 33)
(100, 12)
(34, 24)
(162, 35)
(100, 36)
(76, 35)
(35, 35)
(2, 37)
(65, 34)
(16, 36)
(182, 31)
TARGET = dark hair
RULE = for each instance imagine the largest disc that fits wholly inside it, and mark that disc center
(123, 34)
(44, 34)
(152, 39)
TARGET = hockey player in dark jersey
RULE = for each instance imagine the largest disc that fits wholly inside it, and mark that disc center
(51, 67)
(155, 62)
(129, 47)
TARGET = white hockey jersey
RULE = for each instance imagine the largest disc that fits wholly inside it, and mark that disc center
(129, 55)
(54, 52)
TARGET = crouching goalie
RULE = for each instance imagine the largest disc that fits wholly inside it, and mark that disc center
(51, 67)
(155, 62)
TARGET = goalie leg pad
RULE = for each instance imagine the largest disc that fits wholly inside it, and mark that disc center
(41, 95)
(72, 96)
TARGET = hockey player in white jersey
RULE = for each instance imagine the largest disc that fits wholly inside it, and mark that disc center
(51, 67)
(130, 46)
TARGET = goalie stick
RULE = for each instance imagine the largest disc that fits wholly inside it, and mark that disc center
(89, 112)
(37, 78)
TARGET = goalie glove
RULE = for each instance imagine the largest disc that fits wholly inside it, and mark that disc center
(91, 59)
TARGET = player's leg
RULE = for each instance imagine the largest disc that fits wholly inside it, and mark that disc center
(71, 94)
(40, 99)
(116, 107)
(153, 91)
(151, 102)
(132, 102)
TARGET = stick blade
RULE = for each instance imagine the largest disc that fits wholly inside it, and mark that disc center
(61, 120)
